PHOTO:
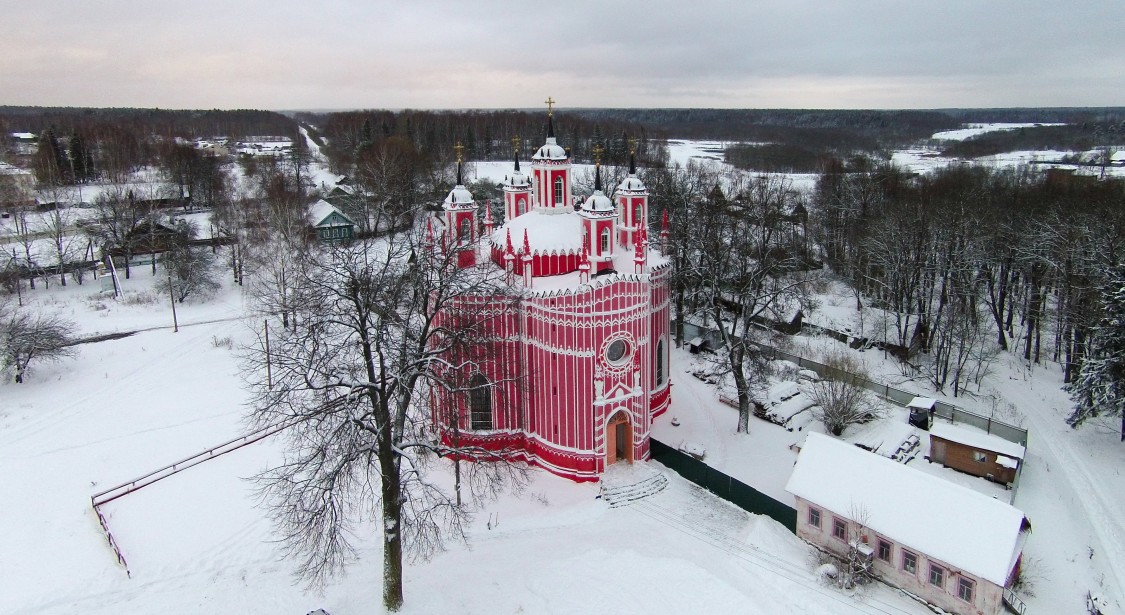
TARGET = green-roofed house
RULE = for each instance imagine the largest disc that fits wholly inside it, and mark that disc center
(330, 223)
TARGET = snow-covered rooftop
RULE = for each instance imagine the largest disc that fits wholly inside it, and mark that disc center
(976, 438)
(923, 403)
(598, 202)
(459, 195)
(322, 209)
(631, 184)
(550, 150)
(546, 232)
(958, 526)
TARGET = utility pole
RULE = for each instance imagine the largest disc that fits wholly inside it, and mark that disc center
(172, 297)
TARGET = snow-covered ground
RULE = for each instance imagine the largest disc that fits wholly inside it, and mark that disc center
(1071, 479)
(196, 542)
(972, 130)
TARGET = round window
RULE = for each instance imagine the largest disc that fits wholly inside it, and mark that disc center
(616, 351)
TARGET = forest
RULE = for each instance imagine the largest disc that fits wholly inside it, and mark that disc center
(948, 269)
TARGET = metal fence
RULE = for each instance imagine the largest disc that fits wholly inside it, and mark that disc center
(945, 410)
(729, 488)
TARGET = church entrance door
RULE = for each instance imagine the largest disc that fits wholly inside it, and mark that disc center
(619, 439)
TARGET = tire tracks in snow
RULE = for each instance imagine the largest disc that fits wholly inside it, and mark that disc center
(1104, 523)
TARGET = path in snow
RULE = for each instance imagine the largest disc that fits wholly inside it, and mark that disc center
(1056, 445)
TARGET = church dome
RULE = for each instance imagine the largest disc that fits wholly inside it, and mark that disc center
(550, 150)
(459, 195)
(599, 203)
(631, 184)
(516, 180)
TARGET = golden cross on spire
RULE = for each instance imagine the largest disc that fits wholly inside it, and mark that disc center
(598, 153)
(633, 145)
(550, 110)
(516, 143)
(460, 149)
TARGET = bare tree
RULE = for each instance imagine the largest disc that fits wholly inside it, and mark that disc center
(118, 215)
(191, 271)
(858, 568)
(372, 336)
(743, 273)
(27, 336)
(58, 225)
(841, 400)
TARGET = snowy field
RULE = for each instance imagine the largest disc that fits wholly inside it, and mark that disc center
(973, 130)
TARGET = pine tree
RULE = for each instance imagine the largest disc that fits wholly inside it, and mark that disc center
(78, 157)
(1100, 386)
(50, 164)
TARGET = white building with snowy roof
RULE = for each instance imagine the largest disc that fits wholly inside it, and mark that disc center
(954, 547)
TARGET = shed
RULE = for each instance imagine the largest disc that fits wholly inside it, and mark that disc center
(921, 412)
(952, 546)
(330, 223)
(975, 452)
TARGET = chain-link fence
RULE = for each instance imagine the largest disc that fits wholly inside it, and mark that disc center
(945, 410)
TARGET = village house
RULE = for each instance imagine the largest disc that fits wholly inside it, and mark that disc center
(975, 452)
(951, 546)
(329, 223)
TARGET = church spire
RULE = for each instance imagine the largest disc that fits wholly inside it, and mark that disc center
(632, 156)
(550, 117)
(516, 151)
(459, 149)
(597, 168)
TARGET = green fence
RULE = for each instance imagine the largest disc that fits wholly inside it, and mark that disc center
(730, 489)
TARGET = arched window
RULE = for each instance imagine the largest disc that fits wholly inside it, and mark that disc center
(480, 402)
(605, 242)
(638, 216)
(466, 232)
(558, 191)
(660, 363)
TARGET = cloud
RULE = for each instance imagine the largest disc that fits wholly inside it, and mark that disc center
(445, 54)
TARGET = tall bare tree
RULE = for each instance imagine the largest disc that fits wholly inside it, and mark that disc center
(745, 270)
(373, 333)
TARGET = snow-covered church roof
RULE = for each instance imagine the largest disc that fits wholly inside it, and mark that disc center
(550, 150)
(546, 232)
(951, 523)
(459, 195)
(598, 202)
(631, 183)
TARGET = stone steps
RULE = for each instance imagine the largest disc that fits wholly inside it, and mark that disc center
(617, 495)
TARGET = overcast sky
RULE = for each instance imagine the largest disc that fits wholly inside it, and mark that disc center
(340, 54)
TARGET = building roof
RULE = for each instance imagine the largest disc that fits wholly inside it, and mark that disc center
(546, 232)
(320, 210)
(924, 403)
(550, 150)
(459, 196)
(976, 438)
(631, 184)
(951, 523)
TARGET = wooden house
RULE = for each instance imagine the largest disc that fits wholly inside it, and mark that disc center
(975, 452)
(953, 547)
(329, 223)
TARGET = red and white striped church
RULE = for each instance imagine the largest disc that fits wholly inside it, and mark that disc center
(583, 322)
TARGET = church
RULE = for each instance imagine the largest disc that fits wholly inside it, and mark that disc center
(580, 335)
